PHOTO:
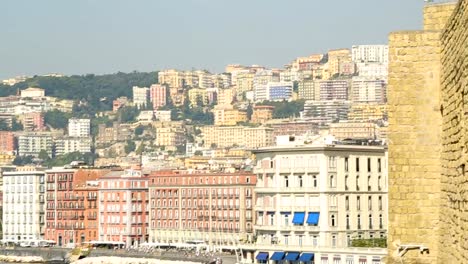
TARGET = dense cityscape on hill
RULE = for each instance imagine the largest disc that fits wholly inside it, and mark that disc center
(353, 156)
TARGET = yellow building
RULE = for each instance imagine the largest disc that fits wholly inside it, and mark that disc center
(228, 136)
(367, 112)
(197, 96)
(226, 96)
(336, 58)
(262, 113)
(353, 130)
(173, 78)
(244, 81)
(228, 116)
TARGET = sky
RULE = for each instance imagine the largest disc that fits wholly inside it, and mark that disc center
(107, 36)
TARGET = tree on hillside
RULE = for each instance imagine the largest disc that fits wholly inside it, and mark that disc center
(130, 146)
(57, 119)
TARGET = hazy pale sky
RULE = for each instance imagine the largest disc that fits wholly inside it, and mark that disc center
(106, 36)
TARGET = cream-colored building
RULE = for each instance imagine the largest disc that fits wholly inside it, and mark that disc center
(244, 81)
(335, 59)
(173, 78)
(353, 130)
(228, 136)
(32, 92)
(170, 137)
(226, 96)
(23, 205)
(228, 116)
(367, 112)
(197, 96)
(313, 201)
(262, 114)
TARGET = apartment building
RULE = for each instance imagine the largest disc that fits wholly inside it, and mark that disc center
(336, 58)
(368, 90)
(32, 92)
(228, 116)
(71, 205)
(79, 127)
(140, 96)
(326, 112)
(31, 144)
(170, 137)
(226, 96)
(214, 207)
(262, 113)
(313, 201)
(172, 78)
(23, 204)
(72, 144)
(198, 97)
(119, 103)
(228, 136)
(367, 112)
(308, 90)
(123, 212)
(273, 91)
(295, 128)
(333, 89)
(369, 53)
(158, 95)
(33, 121)
(7, 142)
(354, 130)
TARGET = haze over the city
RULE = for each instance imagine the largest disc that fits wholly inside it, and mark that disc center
(78, 37)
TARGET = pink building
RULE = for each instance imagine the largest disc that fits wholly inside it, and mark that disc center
(33, 121)
(158, 95)
(7, 142)
(123, 212)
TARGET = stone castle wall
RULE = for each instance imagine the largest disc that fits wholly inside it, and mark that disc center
(454, 107)
(415, 138)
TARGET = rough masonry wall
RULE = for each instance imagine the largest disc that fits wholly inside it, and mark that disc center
(454, 88)
(414, 144)
(415, 126)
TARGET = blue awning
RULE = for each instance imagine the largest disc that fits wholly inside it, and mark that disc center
(277, 256)
(306, 257)
(313, 218)
(262, 256)
(292, 256)
(298, 218)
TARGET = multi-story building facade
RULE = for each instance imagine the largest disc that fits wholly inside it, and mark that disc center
(228, 136)
(33, 121)
(7, 142)
(326, 112)
(123, 211)
(32, 92)
(370, 53)
(294, 128)
(353, 130)
(198, 97)
(71, 210)
(336, 58)
(333, 89)
(368, 90)
(140, 96)
(373, 70)
(31, 144)
(244, 81)
(72, 144)
(317, 199)
(170, 137)
(228, 116)
(158, 95)
(172, 78)
(367, 112)
(23, 204)
(214, 207)
(79, 127)
(307, 90)
(273, 91)
(119, 103)
(226, 96)
(262, 113)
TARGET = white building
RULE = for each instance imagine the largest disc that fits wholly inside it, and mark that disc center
(314, 200)
(72, 144)
(33, 92)
(163, 115)
(273, 91)
(31, 144)
(79, 127)
(368, 90)
(141, 96)
(370, 53)
(23, 205)
(373, 70)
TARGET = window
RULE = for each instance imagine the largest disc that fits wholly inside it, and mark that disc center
(272, 218)
(346, 164)
(370, 221)
(379, 165)
(300, 181)
(369, 203)
(286, 240)
(347, 222)
(334, 240)
(299, 240)
(332, 181)
(286, 181)
(333, 220)
(314, 241)
(347, 203)
(357, 164)
(286, 219)
(358, 203)
(379, 183)
(380, 203)
(358, 221)
(357, 183)
(368, 165)
(346, 182)
(314, 181)
(380, 222)
(369, 183)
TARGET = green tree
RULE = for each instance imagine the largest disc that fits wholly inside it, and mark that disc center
(130, 146)
(198, 153)
(15, 125)
(43, 155)
(57, 119)
(23, 160)
(128, 114)
(139, 130)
